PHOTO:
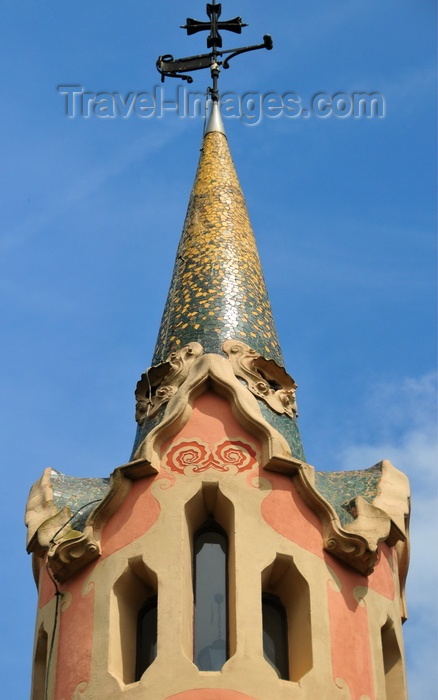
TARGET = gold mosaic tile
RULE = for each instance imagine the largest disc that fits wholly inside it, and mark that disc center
(217, 290)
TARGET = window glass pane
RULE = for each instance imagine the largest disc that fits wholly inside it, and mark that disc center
(146, 637)
(210, 600)
(275, 643)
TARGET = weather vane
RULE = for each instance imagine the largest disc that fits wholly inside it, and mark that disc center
(169, 67)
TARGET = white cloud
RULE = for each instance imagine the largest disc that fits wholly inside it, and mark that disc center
(401, 421)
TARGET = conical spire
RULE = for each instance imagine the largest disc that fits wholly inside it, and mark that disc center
(218, 294)
(217, 290)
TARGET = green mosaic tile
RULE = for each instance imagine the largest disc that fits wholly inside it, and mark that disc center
(341, 488)
(145, 428)
(81, 495)
(287, 427)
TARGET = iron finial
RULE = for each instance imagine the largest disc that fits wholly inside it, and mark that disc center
(169, 67)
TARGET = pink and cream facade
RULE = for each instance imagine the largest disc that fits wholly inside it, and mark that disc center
(217, 564)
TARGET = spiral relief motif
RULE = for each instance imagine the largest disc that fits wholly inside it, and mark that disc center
(240, 454)
(229, 456)
(185, 455)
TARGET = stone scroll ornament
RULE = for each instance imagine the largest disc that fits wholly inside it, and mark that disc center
(158, 384)
(264, 378)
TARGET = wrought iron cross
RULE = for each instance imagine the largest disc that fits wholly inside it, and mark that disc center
(214, 11)
(169, 67)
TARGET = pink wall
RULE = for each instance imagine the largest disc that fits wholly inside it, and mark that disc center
(75, 640)
(137, 514)
(287, 514)
(212, 420)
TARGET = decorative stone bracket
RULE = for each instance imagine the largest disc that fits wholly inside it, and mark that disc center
(72, 553)
(158, 384)
(264, 378)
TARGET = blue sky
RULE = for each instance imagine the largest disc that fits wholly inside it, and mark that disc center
(344, 214)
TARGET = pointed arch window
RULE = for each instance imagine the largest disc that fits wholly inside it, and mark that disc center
(275, 634)
(392, 663)
(211, 597)
(147, 623)
(40, 666)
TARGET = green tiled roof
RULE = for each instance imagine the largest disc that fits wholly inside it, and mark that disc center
(80, 495)
(341, 488)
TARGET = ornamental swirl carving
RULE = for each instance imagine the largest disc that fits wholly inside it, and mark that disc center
(264, 378)
(158, 384)
(69, 555)
(229, 457)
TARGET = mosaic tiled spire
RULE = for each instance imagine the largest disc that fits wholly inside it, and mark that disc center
(218, 294)
(217, 290)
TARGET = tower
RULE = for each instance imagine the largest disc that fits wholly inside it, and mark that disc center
(217, 564)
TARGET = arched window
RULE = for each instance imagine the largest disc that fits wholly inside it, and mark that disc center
(275, 634)
(40, 666)
(211, 597)
(287, 627)
(392, 663)
(146, 636)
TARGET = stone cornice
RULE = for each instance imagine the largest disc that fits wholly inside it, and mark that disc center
(357, 542)
(51, 532)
